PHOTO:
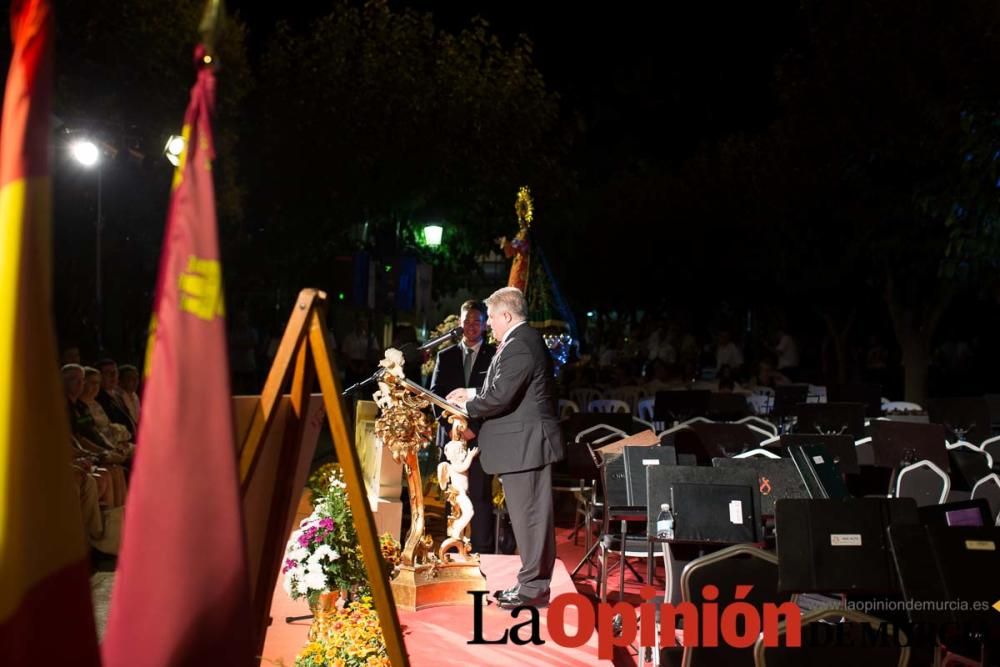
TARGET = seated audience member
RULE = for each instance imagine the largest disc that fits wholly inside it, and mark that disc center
(787, 352)
(768, 375)
(727, 354)
(663, 377)
(115, 434)
(110, 399)
(128, 383)
(88, 442)
(102, 527)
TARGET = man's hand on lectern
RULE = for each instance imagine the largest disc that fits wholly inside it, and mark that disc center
(458, 397)
(468, 434)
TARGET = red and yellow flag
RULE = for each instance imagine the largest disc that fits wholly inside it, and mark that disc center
(181, 595)
(44, 558)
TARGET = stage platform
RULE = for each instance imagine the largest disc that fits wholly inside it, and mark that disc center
(439, 636)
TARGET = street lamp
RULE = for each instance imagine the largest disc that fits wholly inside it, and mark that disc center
(88, 155)
(432, 235)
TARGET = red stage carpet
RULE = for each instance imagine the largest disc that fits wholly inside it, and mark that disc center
(439, 636)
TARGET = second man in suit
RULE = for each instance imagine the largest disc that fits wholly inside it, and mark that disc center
(460, 366)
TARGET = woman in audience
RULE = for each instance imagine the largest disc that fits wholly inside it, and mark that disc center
(88, 441)
(114, 434)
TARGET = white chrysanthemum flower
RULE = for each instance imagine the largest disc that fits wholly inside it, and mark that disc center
(315, 580)
(324, 551)
(298, 555)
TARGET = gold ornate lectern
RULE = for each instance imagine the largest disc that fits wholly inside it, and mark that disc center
(425, 578)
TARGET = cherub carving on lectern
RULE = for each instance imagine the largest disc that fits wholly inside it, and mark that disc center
(453, 476)
(393, 365)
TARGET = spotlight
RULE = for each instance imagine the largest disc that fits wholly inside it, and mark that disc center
(85, 152)
(174, 148)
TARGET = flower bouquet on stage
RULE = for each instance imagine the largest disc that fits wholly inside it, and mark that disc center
(427, 577)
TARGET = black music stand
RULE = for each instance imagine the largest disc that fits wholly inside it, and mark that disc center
(839, 546)
(616, 508)
(839, 447)
(819, 471)
(830, 419)
(966, 419)
(713, 507)
(971, 513)
(787, 397)
(868, 394)
(776, 479)
(727, 407)
(955, 567)
(680, 405)
(898, 444)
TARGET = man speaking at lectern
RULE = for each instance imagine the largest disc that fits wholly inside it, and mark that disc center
(519, 439)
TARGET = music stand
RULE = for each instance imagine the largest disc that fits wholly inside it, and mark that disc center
(727, 407)
(956, 568)
(830, 419)
(839, 546)
(680, 405)
(839, 447)
(819, 472)
(786, 397)
(701, 514)
(868, 394)
(966, 419)
(776, 479)
(636, 459)
(713, 507)
(971, 513)
(898, 443)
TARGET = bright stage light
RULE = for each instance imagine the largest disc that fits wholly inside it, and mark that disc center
(174, 148)
(85, 152)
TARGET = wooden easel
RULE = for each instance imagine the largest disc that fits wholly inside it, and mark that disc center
(304, 347)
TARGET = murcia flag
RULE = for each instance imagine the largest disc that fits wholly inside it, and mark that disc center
(181, 595)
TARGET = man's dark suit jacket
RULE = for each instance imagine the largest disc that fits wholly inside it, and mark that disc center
(116, 411)
(449, 371)
(520, 430)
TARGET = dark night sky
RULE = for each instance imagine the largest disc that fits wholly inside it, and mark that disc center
(650, 79)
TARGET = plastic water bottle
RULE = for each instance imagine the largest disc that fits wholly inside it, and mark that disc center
(665, 523)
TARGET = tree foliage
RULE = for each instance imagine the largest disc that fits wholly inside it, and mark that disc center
(375, 116)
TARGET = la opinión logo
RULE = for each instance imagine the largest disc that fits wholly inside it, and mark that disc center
(738, 624)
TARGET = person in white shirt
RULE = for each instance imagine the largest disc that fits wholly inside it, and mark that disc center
(787, 351)
(727, 354)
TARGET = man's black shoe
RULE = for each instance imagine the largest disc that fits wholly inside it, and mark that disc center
(506, 592)
(518, 600)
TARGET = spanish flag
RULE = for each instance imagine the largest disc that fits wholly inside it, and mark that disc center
(46, 615)
(181, 594)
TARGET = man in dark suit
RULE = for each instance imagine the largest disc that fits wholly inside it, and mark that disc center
(519, 440)
(109, 399)
(464, 365)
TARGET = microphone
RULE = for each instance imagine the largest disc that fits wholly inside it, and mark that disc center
(434, 342)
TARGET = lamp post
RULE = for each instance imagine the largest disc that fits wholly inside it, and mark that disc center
(432, 235)
(89, 156)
